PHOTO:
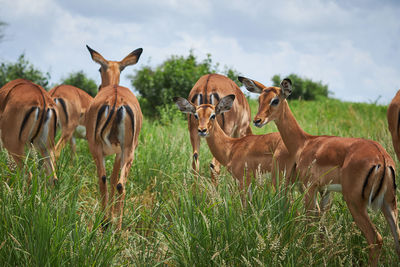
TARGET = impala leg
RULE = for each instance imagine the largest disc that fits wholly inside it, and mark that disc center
(195, 141)
(391, 214)
(245, 189)
(47, 152)
(65, 137)
(215, 167)
(363, 221)
(126, 162)
(113, 182)
(310, 200)
(101, 173)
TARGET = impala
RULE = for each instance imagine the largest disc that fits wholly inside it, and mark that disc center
(361, 169)
(28, 116)
(393, 117)
(209, 89)
(244, 157)
(113, 123)
(72, 104)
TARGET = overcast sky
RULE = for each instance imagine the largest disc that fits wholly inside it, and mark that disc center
(353, 46)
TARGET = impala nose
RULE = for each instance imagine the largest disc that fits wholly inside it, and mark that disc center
(202, 132)
(257, 122)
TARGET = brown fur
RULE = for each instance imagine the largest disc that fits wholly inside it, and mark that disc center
(244, 157)
(77, 102)
(235, 123)
(393, 117)
(19, 101)
(108, 132)
(362, 168)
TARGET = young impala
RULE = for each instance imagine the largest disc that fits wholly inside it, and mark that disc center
(28, 116)
(361, 169)
(209, 89)
(113, 123)
(72, 104)
(393, 117)
(244, 157)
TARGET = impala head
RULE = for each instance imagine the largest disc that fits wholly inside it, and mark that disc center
(205, 114)
(110, 70)
(270, 99)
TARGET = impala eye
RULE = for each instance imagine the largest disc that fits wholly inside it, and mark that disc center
(196, 116)
(212, 117)
(274, 102)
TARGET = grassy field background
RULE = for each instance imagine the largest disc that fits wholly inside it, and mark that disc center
(173, 218)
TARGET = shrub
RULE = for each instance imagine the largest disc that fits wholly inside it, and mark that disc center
(22, 69)
(304, 88)
(79, 79)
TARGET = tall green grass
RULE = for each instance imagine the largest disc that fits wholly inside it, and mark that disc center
(175, 218)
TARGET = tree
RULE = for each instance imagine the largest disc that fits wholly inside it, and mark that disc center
(304, 88)
(174, 77)
(79, 79)
(22, 69)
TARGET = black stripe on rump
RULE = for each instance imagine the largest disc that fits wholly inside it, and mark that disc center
(99, 114)
(131, 116)
(108, 120)
(380, 184)
(118, 117)
(64, 107)
(55, 122)
(394, 177)
(43, 114)
(366, 180)
(398, 124)
(24, 121)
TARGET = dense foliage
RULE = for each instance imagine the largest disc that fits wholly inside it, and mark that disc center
(304, 88)
(23, 69)
(79, 79)
(174, 77)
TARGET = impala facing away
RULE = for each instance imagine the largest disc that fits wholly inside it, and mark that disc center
(244, 157)
(393, 117)
(28, 115)
(113, 123)
(72, 104)
(209, 89)
(361, 169)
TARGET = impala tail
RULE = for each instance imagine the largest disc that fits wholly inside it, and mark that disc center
(36, 124)
(379, 181)
(60, 102)
(111, 125)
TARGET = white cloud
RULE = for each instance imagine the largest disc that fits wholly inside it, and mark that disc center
(352, 47)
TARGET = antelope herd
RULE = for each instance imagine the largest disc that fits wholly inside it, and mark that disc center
(219, 112)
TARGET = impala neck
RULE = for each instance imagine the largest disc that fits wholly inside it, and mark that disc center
(220, 144)
(292, 134)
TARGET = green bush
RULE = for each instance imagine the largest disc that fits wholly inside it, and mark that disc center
(174, 77)
(79, 79)
(304, 88)
(25, 70)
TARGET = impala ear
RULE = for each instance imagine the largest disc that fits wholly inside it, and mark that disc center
(130, 59)
(184, 105)
(252, 86)
(96, 57)
(286, 87)
(224, 104)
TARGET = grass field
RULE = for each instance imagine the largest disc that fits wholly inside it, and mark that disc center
(173, 218)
